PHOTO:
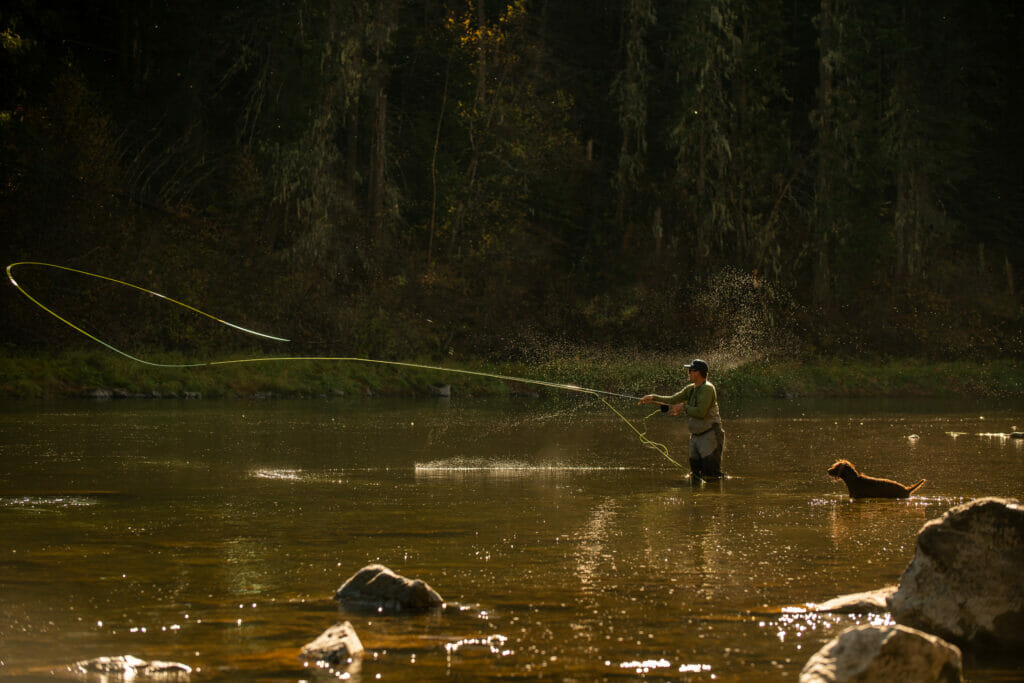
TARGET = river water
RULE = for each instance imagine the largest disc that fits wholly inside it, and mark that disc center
(214, 533)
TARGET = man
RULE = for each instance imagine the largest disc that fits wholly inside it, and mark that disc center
(698, 400)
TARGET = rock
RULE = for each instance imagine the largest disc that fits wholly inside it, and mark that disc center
(336, 645)
(857, 603)
(128, 666)
(1017, 435)
(441, 390)
(100, 394)
(966, 580)
(884, 653)
(376, 587)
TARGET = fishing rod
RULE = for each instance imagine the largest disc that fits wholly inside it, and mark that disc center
(598, 393)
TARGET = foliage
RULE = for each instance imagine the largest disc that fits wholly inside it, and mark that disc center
(78, 374)
(485, 178)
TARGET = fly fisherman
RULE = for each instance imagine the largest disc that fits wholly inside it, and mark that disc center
(698, 400)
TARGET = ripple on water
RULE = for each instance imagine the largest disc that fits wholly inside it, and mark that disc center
(513, 467)
(495, 644)
(796, 622)
(648, 665)
(280, 474)
(328, 476)
(46, 502)
(914, 501)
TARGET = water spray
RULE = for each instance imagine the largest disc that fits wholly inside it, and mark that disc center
(597, 393)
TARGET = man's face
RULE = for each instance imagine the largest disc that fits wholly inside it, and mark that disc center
(694, 375)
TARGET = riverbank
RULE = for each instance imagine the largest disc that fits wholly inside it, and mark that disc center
(91, 374)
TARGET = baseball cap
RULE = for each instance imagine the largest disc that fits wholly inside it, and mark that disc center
(699, 365)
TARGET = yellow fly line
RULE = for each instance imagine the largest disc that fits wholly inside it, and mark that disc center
(642, 435)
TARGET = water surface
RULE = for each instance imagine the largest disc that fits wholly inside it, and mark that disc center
(214, 533)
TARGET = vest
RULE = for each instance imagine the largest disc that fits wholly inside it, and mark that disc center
(697, 425)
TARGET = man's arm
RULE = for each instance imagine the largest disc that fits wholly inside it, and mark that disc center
(677, 397)
(675, 403)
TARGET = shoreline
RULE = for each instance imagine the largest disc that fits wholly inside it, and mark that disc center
(98, 374)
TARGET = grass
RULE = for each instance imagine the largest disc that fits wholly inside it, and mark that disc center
(76, 374)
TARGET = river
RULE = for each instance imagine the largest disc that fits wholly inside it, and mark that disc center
(215, 533)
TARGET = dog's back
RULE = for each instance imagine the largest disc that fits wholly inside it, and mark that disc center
(862, 486)
(874, 487)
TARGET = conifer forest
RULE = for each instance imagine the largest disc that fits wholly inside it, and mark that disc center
(486, 178)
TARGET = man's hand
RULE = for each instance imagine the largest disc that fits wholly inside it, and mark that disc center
(677, 409)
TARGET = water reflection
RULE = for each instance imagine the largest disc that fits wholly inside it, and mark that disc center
(856, 523)
(589, 546)
(217, 533)
(283, 474)
(508, 468)
(42, 503)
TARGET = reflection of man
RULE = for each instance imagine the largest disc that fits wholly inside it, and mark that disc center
(698, 400)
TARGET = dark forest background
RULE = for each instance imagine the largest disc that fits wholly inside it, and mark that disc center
(477, 178)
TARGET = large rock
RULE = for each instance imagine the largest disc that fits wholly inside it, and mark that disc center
(376, 587)
(884, 653)
(128, 666)
(966, 581)
(336, 645)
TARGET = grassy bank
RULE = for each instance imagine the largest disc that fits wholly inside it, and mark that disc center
(86, 373)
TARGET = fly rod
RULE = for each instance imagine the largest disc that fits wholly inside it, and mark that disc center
(598, 393)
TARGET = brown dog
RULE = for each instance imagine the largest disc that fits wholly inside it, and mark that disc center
(862, 486)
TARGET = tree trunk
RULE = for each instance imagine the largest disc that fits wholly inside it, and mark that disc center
(823, 200)
(378, 164)
(377, 190)
(433, 166)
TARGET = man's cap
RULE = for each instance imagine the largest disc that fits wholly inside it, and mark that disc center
(699, 365)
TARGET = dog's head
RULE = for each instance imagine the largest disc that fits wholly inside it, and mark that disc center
(841, 468)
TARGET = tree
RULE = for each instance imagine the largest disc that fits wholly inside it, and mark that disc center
(850, 235)
(630, 92)
(927, 135)
(733, 161)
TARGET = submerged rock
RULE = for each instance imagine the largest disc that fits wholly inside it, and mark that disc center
(375, 587)
(129, 666)
(337, 645)
(966, 580)
(884, 653)
(856, 603)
